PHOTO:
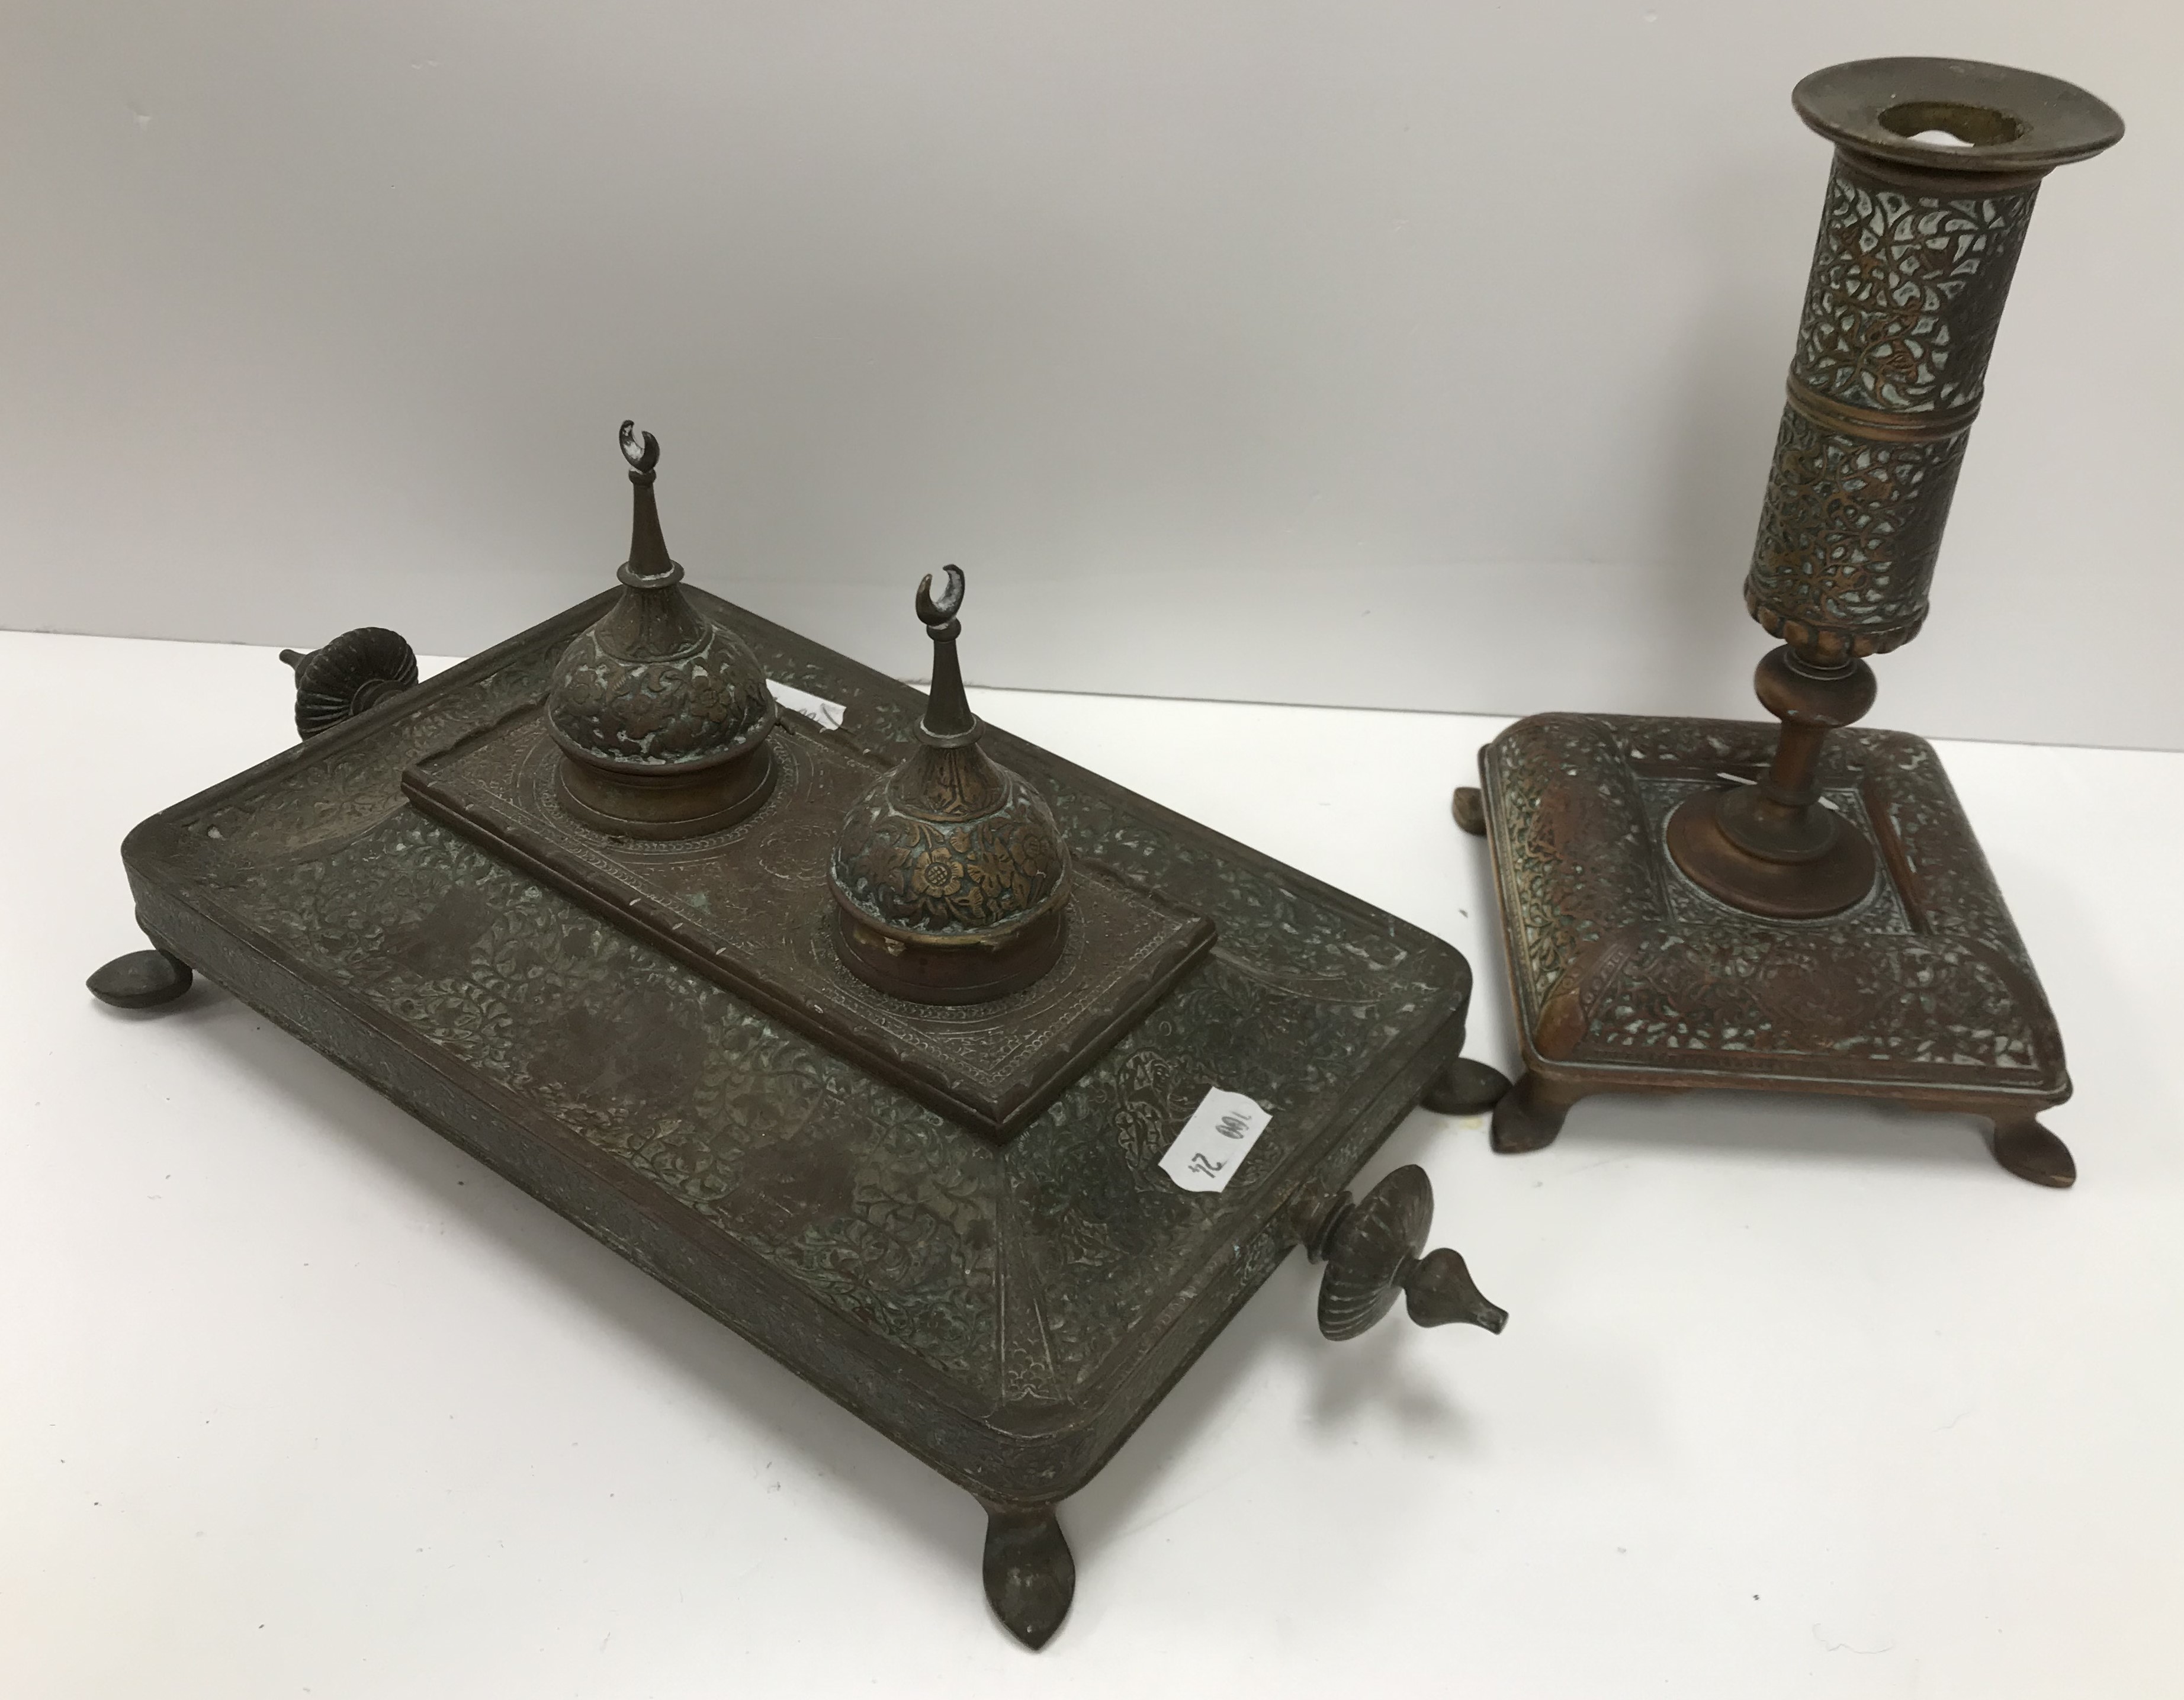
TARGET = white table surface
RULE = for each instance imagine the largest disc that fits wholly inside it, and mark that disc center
(1795, 1397)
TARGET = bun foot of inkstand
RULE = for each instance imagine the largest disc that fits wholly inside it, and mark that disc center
(1029, 1573)
(2029, 1152)
(143, 979)
(1465, 1088)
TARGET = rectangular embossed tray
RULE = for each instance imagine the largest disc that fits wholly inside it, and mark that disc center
(1007, 1313)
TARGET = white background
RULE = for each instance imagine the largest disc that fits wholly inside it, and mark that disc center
(1795, 1398)
(1407, 352)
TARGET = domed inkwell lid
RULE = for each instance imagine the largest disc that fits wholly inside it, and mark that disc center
(661, 713)
(950, 879)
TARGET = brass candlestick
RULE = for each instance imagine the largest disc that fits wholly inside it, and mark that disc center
(1828, 924)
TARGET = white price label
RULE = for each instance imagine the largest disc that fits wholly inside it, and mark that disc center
(827, 716)
(1215, 1141)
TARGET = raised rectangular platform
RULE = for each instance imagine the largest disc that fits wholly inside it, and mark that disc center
(750, 908)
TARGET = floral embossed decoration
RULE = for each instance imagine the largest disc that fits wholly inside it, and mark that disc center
(1849, 534)
(949, 845)
(951, 876)
(1906, 292)
(654, 684)
(660, 712)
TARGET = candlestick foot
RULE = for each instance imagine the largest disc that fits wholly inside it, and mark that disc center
(1529, 1119)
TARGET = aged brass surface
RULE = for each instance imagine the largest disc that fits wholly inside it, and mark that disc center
(405, 892)
(1628, 977)
(1824, 921)
(1918, 243)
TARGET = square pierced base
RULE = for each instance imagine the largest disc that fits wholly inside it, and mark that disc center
(1628, 977)
(750, 907)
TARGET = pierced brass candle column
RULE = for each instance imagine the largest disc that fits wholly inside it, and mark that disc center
(1828, 924)
(1937, 163)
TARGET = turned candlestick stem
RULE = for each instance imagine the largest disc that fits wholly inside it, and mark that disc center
(1773, 847)
(1780, 816)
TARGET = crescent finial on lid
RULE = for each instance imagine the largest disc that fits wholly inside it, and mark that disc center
(657, 689)
(950, 875)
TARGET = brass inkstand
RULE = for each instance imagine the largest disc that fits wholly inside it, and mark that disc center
(873, 1038)
(1824, 921)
